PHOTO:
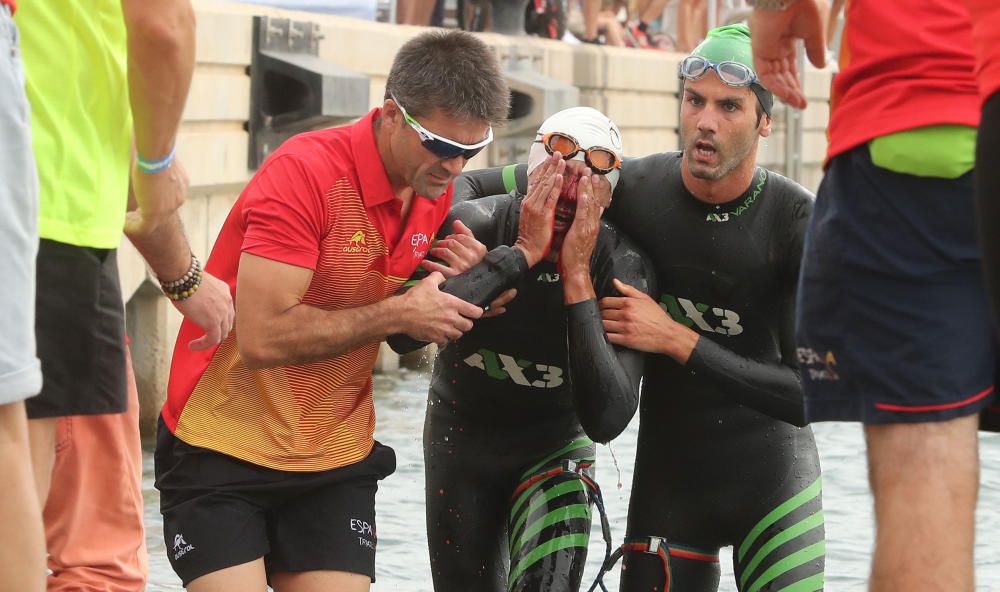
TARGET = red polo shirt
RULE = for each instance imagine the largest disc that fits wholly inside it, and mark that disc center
(904, 64)
(322, 201)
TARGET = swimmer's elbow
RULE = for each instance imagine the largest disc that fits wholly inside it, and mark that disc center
(604, 429)
(603, 435)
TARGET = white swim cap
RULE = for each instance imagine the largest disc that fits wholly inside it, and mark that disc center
(588, 126)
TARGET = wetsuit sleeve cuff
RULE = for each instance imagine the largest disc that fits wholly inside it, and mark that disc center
(583, 313)
(508, 262)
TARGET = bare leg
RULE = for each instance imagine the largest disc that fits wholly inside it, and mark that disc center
(42, 435)
(591, 8)
(652, 10)
(415, 12)
(613, 32)
(925, 479)
(247, 577)
(93, 516)
(22, 544)
(320, 581)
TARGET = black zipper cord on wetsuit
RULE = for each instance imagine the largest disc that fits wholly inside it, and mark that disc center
(652, 545)
(605, 524)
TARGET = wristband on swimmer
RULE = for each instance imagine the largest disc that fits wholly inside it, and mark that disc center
(181, 289)
(151, 167)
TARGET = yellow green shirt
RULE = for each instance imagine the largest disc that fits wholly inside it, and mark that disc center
(75, 64)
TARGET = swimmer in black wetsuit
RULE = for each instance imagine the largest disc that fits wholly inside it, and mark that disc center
(516, 404)
(720, 461)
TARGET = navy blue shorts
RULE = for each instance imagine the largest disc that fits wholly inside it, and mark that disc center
(893, 322)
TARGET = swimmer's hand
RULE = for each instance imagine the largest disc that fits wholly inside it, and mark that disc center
(538, 213)
(636, 321)
(553, 164)
(499, 304)
(459, 251)
(431, 315)
(578, 246)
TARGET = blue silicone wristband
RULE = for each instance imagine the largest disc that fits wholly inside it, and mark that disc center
(151, 167)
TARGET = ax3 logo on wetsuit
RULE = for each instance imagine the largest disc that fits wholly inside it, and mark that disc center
(692, 314)
(522, 372)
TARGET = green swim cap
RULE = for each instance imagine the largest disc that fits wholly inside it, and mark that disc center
(731, 43)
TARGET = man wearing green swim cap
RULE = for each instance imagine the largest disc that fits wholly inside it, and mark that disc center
(722, 459)
(726, 52)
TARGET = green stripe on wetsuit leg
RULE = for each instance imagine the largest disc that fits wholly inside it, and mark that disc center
(564, 514)
(794, 532)
(509, 179)
(581, 442)
(803, 526)
(557, 544)
(573, 486)
(801, 557)
(778, 513)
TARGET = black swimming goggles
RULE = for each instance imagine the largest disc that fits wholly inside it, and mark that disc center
(600, 159)
(731, 73)
(440, 146)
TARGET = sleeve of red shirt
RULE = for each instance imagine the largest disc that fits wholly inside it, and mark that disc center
(284, 213)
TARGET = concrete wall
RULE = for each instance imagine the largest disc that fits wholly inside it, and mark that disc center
(638, 89)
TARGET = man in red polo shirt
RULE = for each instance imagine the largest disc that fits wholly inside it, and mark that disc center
(265, 458)
(893, 313)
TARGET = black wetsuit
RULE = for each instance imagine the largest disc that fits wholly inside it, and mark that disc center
(508, 463)
(719, 461)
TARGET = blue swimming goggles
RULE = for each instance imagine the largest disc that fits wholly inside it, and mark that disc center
(731, 73)
(440, 146)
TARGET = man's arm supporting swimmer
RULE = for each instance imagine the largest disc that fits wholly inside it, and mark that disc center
(285, 218)
(773, 388)
(500, 269)
(503, 265)
(769, 387)
(492, 181)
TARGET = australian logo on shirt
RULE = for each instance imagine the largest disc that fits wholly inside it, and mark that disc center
(357, 244)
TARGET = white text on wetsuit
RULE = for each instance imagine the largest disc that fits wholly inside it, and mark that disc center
(502, 367)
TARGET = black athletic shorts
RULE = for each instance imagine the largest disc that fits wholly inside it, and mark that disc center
(219, 511)
(80, 331)
(893, 320)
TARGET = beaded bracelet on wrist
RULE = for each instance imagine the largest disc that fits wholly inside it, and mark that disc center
(185, 287)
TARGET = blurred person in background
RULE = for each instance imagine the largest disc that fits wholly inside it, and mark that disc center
(124, 88)
(891, 258)
(22, 542)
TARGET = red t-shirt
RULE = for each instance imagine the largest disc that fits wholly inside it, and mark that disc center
(905, 64)
(322, 201)
(986, 35)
